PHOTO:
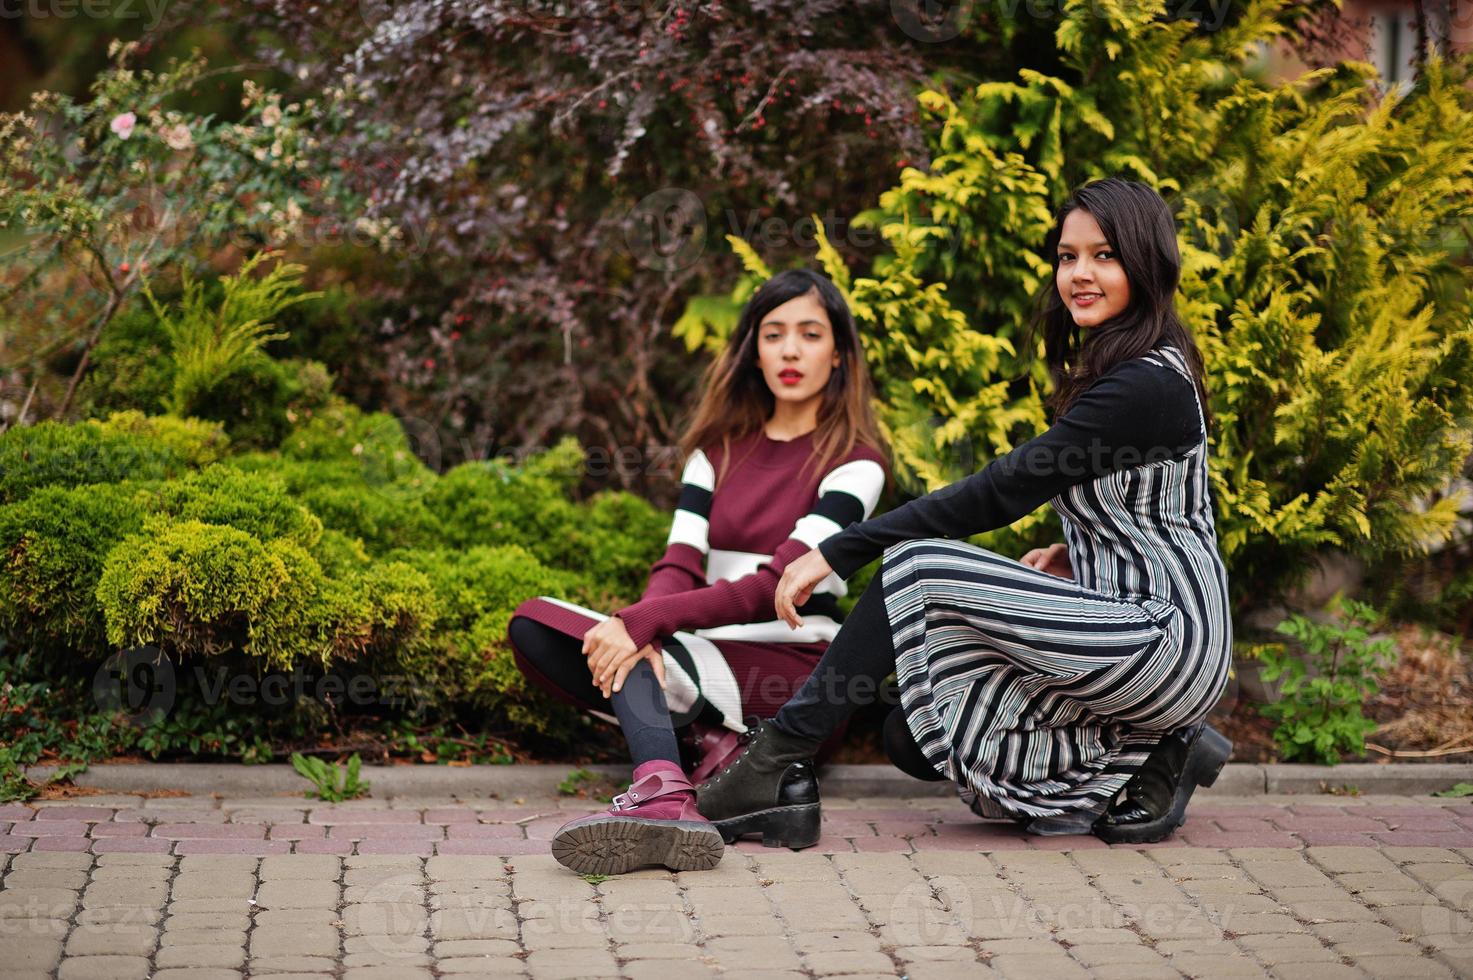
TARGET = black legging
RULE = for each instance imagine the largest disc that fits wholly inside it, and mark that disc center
(639, 705)
(853, 667)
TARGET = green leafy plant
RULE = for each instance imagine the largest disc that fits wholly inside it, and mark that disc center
(1325, 681)
(591, 786)
(1456, 791)
(325, 777)
(213, 340)
(575, 781)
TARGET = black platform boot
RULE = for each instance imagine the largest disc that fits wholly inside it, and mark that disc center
(1155, 800)
(769, 788)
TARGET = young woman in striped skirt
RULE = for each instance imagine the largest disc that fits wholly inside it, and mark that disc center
(782, 452)
(1043, 688)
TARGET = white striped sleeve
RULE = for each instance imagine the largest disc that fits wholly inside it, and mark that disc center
(848, 494)
(691, 524)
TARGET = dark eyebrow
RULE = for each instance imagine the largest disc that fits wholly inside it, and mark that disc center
(1064, 245)
(801, 323)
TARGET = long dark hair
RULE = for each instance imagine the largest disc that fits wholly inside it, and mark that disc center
(1138, 225)
(736, 402)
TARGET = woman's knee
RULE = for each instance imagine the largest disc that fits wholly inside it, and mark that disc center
(547, 657)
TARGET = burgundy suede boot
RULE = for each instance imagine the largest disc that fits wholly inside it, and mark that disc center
(713, 748)
(655, 821)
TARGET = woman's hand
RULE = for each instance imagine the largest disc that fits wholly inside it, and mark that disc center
(1054, 559)
(611, 655)
(799, 580)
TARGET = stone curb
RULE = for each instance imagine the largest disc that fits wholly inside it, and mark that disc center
(506, 782)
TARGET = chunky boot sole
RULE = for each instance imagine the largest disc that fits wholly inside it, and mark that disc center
(615, 845)
(795, 826)
(1208, 754)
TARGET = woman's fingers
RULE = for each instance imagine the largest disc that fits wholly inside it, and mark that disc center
(621, 673)
(657, 661)
(601, 665)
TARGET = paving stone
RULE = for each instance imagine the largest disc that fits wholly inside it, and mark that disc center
(298, 894)
(203, 937)
(666, 970)
(303, 939)
(752, 953)
(104, 968)
(111, 938)
(221, 956)
(567, 964)
(233, 921)
(483, 966)
(290, 964)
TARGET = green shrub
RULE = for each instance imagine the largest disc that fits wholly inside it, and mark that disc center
(256, 398)
(257, 503)
(192, 587)
(259, 400)
(54, 454)
(323, 619)
(187, 587)
(562, 466)
(610, 541)
(623, 535)
(375, 443)
(198, 442)
(339, 554)
(382, 521)
(52, 548)
(468, 659)
(489, 503)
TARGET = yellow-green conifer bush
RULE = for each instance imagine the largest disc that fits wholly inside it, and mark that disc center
(333, 549)
(1323, 228)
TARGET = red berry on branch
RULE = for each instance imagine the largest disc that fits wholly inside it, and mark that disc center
(124, 268)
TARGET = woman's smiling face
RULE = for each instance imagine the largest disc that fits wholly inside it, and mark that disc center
(1091, 281)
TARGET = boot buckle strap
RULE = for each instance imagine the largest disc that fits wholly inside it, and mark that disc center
(650, 787)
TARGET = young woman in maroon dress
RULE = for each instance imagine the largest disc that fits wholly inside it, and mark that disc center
(782, 452)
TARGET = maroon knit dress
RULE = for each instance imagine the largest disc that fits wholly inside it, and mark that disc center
(708, 606)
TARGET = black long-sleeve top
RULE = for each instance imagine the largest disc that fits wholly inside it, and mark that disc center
(1138, 412)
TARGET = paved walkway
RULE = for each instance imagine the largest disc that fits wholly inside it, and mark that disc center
(1304, 887)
